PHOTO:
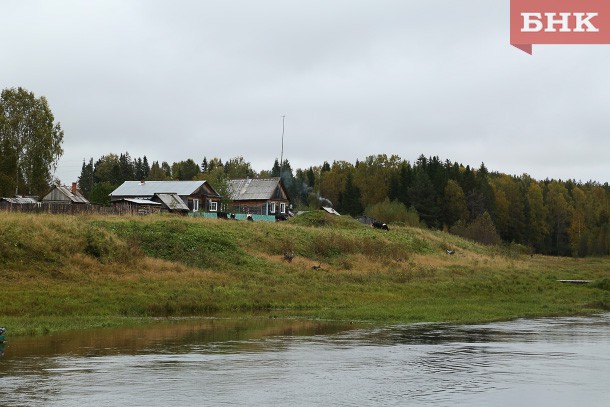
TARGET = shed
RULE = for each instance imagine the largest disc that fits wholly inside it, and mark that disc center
(137, 206)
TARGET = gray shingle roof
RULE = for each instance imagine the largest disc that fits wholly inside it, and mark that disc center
(149, 188)
(252, 189)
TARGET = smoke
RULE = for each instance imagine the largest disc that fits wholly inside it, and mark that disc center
(324, 201)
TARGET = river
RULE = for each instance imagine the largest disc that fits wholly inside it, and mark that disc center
(266, 362)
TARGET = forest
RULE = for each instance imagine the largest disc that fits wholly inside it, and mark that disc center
(555, 217)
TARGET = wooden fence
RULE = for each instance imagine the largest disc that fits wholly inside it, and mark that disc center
(66, 208)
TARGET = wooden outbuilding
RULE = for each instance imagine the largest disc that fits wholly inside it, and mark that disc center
(136, 206)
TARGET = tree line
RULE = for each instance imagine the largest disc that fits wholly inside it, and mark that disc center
(550, 217)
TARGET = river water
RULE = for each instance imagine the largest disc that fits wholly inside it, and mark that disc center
(541, 362)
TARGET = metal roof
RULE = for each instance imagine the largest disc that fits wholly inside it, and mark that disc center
(149, 188)
(173, 202)
(252, 189)
(19, 200)
(330, 210)
(140, 201)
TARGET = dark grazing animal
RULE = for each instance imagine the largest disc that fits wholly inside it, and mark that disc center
(379, 225)
(288, 256)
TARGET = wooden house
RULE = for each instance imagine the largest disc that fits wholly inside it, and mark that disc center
(174, 196)
(265, 196)
(65, 195)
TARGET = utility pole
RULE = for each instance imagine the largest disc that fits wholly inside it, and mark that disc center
(17, 180)
(282, 154)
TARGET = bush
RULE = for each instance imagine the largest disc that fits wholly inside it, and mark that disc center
(394, 211)
(481, 230)
(602, 284)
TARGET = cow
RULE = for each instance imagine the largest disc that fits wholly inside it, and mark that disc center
(379, 225)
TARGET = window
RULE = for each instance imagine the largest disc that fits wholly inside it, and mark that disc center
(195, 205)
(272, 207)
(213, 206)
(282, 208)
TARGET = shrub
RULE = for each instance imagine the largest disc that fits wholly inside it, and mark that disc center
(602, 284)
(393, 211)
(481, 230)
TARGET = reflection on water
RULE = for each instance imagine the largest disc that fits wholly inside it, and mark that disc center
(559, 362)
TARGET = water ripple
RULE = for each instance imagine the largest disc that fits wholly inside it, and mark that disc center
(558, 362)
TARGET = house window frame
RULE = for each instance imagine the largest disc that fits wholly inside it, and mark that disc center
(213, 206)
(282, 207)
(272, 207)
(195, 205)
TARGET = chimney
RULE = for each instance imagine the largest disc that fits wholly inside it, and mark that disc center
(142, 182)
(74, 187)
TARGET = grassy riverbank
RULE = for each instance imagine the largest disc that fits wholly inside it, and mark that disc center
(64, 272)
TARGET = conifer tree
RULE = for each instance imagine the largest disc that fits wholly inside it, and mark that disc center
(350, 202)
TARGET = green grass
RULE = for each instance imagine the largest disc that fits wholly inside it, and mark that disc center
(65, 272)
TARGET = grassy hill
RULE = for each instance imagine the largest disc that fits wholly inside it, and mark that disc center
(64, 272)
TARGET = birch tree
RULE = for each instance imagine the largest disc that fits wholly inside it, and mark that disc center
(32, 139)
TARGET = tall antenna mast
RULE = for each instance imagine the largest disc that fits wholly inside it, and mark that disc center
(282, 154)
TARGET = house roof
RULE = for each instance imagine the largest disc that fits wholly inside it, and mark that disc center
(141, 201)
(75, 197)
(173, 202)
(150, 188)
(19, 200)
(250, 189)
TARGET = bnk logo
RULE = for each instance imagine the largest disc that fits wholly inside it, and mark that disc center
(559, 22)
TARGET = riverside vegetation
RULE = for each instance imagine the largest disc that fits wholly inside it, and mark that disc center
(66, 272)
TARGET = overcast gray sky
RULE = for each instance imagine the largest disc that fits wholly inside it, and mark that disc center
(186, 79)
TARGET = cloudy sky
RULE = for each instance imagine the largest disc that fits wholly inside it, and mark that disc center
(186, 79)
